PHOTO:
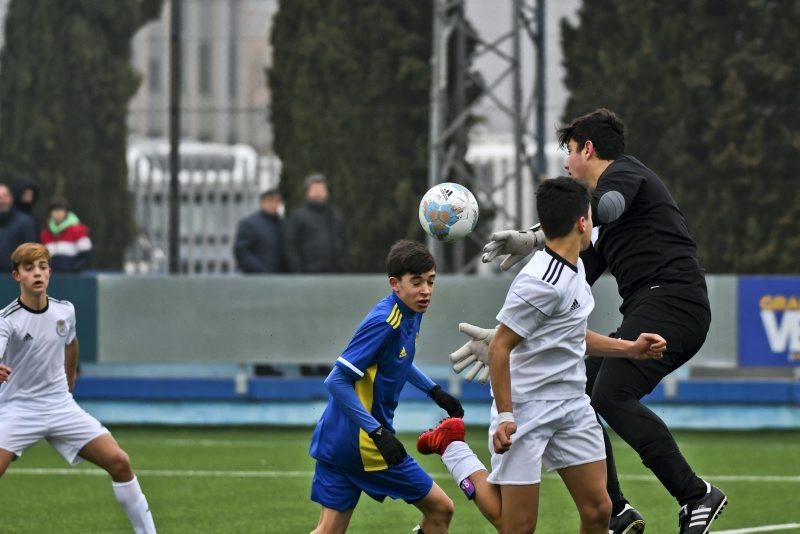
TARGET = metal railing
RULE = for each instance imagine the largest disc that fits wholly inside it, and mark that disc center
(219, 185)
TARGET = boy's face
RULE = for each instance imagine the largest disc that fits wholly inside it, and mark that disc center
(33, 277)
(578, 159)
(415, 290)
(58, 215)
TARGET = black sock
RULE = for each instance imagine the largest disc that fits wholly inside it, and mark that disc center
(618, 500)
(617, 505)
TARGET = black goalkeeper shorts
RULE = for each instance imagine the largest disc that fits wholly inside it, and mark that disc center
(680, 313)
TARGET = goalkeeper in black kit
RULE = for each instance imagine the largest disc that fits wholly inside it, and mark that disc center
(642, 239)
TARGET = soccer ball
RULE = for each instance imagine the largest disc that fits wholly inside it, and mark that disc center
(448, 212)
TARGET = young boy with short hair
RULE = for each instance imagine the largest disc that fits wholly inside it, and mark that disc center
(39, 355)
(354, 442)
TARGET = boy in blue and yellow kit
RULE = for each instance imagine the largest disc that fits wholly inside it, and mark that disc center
(354, 442)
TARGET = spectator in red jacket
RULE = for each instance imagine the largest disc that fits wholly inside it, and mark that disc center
(67, 239)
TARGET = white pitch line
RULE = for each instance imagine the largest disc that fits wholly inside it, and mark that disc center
(722, 478)
(766, 528)
(66, 471)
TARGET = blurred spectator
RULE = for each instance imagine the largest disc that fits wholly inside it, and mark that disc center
(66, 238)
(316, 241)
(26, 193)
(259, 238)
(16, 228)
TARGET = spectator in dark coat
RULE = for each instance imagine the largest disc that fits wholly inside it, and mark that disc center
(16, 228)
(259, 238)
(316, 240)
(25, 193)
(67, 239)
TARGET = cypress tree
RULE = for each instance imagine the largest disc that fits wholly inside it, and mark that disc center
(65, 82)
(350, 85)
(708, 91)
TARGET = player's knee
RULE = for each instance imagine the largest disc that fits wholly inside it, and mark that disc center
(442, 511)
(119, 466)
(597, 512)
(520, 523)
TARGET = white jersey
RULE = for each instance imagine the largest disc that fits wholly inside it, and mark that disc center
(32, 343)
(548, 305)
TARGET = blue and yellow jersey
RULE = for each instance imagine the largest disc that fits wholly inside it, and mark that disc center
(379, 358)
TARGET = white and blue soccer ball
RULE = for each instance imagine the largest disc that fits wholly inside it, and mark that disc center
(448, 212)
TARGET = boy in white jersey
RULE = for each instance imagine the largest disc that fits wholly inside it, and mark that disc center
(541, 415)
(38, 362)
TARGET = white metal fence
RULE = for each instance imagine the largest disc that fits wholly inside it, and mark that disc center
(219, 184)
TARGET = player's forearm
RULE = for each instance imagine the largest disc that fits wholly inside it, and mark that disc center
(420, 380)
(71, 363)
(607, 347)
(340, 386)
(500, 373)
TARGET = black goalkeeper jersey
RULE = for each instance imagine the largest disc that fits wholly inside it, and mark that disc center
(650, 242)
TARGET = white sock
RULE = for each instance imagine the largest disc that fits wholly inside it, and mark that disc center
(130, 496)
(459, 459)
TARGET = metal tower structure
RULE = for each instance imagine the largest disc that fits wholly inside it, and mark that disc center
(450, 111)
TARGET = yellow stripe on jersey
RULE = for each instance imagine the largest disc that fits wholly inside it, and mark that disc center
(395, 317)
(370, 456)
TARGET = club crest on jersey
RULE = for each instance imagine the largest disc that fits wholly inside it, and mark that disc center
(402, 353)
(61, 328)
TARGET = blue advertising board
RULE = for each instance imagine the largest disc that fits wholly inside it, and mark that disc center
(769, 321)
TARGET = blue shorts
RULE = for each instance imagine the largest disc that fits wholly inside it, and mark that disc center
(339, 489)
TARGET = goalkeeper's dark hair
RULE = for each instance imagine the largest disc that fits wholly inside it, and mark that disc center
(560, 203)
(602, 127)
(408, 256)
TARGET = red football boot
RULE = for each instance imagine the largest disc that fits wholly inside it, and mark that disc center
(437, 439)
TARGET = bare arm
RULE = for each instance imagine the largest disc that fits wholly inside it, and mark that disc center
(499, 365)
(500, 349)
(647, 346)
(71, 363)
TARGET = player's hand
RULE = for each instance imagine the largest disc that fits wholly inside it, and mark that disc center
(5, 372)
(516, 244)
(648, 346)
(475, 352)
(446, 402)
(388, 445)
(501, 440)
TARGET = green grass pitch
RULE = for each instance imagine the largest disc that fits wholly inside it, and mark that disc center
(247, 480)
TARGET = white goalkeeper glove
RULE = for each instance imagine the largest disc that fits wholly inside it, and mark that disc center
(474, 352)
(515, 243)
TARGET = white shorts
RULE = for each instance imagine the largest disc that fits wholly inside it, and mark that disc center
(65, 426)
(553, 433)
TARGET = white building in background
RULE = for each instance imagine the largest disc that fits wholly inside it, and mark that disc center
(225, 51)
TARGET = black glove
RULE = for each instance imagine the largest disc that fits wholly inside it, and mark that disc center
(446, 401)
(389, 446)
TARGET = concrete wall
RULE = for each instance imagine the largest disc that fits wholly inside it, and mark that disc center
(285, 319)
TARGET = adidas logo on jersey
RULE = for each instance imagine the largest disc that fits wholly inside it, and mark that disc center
(27, 338)
(575, 305)
(402, 353)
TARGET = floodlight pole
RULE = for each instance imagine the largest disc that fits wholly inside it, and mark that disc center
(450, 111)
(516, 106)
(438, 111)
(539, 92)
(174, 136)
